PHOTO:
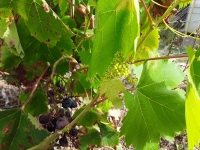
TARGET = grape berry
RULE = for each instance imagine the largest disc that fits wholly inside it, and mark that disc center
(69, 103)
(63, 141)
(44, 119)
(73, 132)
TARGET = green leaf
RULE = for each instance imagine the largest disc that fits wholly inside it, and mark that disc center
(91, 138)
(23, 97)
(151, 146)
(105, 106)
(116, 29)
(193, 99)
(109, 136)
(89, 119)
(17, 131)
(149, 46)
(3, 25)
(7, 6)
(85, 57)
(194, 69)
(192, 117)
(117, 103)
(62, 68)
(111, 88)
(154, 108)
(12, 39)
(71, 23)
(37, 105)
(42, 22)
(63, 5)
(9, 60)
(83, 79)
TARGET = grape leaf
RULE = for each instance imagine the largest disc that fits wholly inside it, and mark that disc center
(91, 138)
(3, 25)
(42, 22)
(192, 116)
(193, 99)
(109, 136)
(37, 105)
(154, 109)
(17, 132)
(8, 5)
(149, 46)
(63, 5)
(116, 29)
(111, 88)
(194, 69)
(89, 118)
(85, 57)
(12, 39)
(7, 56)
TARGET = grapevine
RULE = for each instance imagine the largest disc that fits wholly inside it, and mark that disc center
(78, 64)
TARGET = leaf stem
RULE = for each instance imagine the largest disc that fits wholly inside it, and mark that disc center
(56, 63)
(160, 58)
(45, 144)
(35, 87)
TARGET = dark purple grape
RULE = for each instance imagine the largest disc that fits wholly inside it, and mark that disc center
(73, 132)
(53, 121)
(51, 128)
(61, 112)
(44, 119)
(50, 93)
(68, 114)
(63, 141)
(66, 102)
(61, 89)
(73, 104)
(62, 122)
(58, 84)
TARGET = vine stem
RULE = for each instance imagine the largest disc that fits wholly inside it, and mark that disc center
(57, 62)
(35, 86)
(45, 144)
(160, 58)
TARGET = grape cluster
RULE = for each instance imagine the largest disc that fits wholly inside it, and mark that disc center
(132, 80)
(69, 103)
(59, 116)
(119, 67)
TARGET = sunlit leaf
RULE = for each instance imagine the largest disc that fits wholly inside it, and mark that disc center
(154, 109)
(149, 47)
(116, 29)
(111, 88)
(192, 117)
(193, 100)
(194, 69)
